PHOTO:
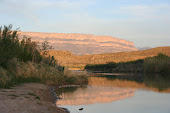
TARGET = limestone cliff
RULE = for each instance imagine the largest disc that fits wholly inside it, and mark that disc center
(81, 44)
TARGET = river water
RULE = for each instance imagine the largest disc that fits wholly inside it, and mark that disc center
(118, 93)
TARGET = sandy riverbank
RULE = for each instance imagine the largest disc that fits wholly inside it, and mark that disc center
(28, 98)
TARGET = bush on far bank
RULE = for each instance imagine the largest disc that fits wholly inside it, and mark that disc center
(156, 64)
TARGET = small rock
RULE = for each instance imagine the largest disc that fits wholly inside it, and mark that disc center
(81, 109)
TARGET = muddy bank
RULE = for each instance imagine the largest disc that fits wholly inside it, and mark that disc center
(28, 98)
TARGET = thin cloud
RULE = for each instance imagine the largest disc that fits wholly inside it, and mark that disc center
(18, 8)
(29, 8)
(65, 4)
(146, 10)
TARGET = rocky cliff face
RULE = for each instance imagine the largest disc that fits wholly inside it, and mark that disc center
(81, 44)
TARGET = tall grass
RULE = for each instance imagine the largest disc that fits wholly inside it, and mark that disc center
(4, 77)
(21, 72)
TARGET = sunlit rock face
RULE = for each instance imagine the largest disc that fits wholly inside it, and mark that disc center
(81, 44)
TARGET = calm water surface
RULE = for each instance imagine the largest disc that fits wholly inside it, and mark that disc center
(119, 94)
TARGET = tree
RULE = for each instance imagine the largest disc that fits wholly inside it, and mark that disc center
(9, 44)
(30, 50)
(45, 47)
(11, 47)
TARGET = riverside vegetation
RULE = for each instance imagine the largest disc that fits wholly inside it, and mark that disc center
(23, 61)
(156, 64)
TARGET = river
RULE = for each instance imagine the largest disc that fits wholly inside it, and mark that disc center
(118, 93)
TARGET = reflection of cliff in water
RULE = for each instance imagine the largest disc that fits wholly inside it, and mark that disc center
(107, 89)
(100, 90)
(95, 94)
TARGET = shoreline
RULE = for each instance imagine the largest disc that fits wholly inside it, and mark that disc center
(29, 98)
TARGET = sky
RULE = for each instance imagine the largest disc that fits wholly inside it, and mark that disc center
(144, 22)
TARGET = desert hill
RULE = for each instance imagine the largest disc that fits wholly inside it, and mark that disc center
(68, 59)
(82, 44)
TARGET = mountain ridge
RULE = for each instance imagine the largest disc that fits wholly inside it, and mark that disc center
(82, 44)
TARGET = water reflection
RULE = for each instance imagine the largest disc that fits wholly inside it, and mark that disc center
(95, 94)
(109, 88)
(155, 82)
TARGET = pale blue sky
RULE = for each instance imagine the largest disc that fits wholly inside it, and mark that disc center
(145, 22)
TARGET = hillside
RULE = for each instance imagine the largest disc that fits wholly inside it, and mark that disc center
(82, 44)
(68, 59)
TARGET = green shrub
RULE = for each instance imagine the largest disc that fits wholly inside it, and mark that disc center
(159, 64)
(11, 47)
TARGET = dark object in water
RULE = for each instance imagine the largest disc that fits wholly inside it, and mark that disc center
(81, 109)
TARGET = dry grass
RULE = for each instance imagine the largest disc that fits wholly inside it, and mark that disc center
(20, 72)
(4, 78)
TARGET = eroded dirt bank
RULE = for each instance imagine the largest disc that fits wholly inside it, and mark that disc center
(28, 98)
